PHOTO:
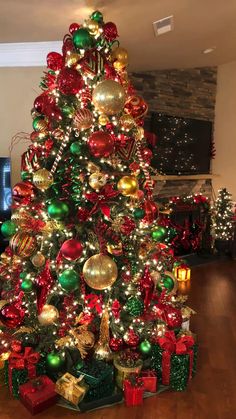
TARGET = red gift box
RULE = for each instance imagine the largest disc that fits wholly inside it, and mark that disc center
(133, 392)
(149, 380)
(38, 394)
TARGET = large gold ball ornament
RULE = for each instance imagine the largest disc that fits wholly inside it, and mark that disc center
(126, 121)
(109, 97)
(93, 26)
(42, 179)
(127, 185)
(38, 260)
(139, 133)
(97, 180)
(48, 315)
(103, 120)
(120, 58)
(100, 272)
(72, 59)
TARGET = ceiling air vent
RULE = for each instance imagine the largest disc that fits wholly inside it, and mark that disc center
(164, 25)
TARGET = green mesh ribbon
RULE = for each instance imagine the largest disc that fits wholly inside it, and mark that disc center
(179, 372)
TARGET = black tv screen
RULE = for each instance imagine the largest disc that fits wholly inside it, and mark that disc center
(183, 144)
(5, 188)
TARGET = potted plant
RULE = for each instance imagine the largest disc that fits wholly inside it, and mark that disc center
(126, 363)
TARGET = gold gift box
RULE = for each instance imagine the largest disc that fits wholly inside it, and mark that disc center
(71, 388)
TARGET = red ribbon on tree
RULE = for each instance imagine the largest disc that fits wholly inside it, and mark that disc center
(28, 359)
(44, 283)
(100, 200)
(179, 346)
(94, 302)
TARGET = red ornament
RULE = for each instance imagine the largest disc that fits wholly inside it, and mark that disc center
(146, 154)
(146, 285)
(115, 344)
(44, 281)
(110, 31)
(16, 346)
(101, 144)
(136, 107)
(68, 45)
(39, 103)
(151, 211)
(73, 27)
(23, 192)
(173, 317)
(69, 81)
(127, 226)
(71, 249)
(116, 309)
(11, 316)
(82, 214)
(131, 338)
(54, 61)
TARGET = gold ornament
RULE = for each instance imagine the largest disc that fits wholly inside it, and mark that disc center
(48, 315)
(115, 249)
(92, 167)
(120, 58)
(38, 260)
(93, 26)
(83, 119)
(103, 120)
(126, 121)
(3, 303)
(160, 330)
(97, 180)
(100, 272)
(50, 226)
(102, 349)
(127, 185)
(42, 126)
(72, 58)
(109, 97)
(42, 179)
(139, 134)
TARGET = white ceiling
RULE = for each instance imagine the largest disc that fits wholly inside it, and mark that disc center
(198, 24)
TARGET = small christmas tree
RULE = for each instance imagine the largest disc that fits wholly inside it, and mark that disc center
(223, 215)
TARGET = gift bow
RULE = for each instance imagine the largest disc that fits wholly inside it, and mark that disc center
(69, 381)
(24, 360)
(100, 199)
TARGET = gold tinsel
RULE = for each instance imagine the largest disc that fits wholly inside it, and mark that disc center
(79, 337)
(102, 350)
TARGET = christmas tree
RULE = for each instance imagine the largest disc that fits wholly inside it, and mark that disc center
(86, 267)
(223, 216)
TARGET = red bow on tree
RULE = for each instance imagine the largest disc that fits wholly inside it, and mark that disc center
(94, 301)
(100, 199)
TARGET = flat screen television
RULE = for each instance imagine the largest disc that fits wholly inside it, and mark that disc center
(5, 188)
(183, 144)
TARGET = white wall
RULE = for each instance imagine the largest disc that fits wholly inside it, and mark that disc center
(225, 129)
(18, 89)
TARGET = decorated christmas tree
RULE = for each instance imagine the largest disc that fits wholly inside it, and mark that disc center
(86, 269)
(223, 216)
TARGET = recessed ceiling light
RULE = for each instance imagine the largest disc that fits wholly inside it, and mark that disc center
(208, 50)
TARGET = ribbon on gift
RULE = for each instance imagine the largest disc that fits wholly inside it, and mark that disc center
(179, 346)
(28, 359)
(100, 200)
(67, 385)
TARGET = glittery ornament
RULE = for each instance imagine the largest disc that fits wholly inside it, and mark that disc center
(23, 244)
(48, 315)
(11, 316)
(131, 338)
(109, 97)
(97, 180)
(54, 61)
(126, 122)
(116, 344)
(103, 120)
(134, 306)
(38, 260)
(42, 179)
(100, 272)
(23, 192)
(69, 81)
(83, 119)
(110, 32)
(127, 185)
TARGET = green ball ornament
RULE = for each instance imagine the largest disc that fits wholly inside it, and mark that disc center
(68, 110)
(27, 285)
(159, 233)
(23, 275)
(168, 282)
(26, 176)
(58, 210)
(75, 148)
(82, 39)
(139, 213)
(69, 280)
(134, 306)
(98, 16)
(8, 228)
(145, 347)
(54, 362)
(39, 123)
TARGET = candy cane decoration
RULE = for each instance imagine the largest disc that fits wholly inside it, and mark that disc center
(59, 154)
(149, 181)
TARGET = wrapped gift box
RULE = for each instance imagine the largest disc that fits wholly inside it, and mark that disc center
(71, 388)
(38, 394)
(149, 379)
(133, 392)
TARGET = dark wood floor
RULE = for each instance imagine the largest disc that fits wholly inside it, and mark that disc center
(212, 393)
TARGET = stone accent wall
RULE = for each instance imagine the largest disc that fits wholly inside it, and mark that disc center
(188, 93)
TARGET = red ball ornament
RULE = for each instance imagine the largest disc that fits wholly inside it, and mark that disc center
(73, 27)
(11, 316)
(151, 211)
(131, 338)
(39, 103)
(136, 107)
(54, 61)
(127, 226)
(101, 144)
(146, 154)
(16, 346)
(110, 32)
(71, 249)
(23, 192)
(115, 344)
(173, 317)
(69, 81)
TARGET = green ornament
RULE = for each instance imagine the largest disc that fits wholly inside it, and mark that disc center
(27, 285)
(37, 123)
(68, 110)
(98, 16)
(168, 282)
(82, 39)
(54, 362)
(75, 148)
(139, 213)
(8, 228)
(134, 306)
(23, 275)
(58, 210)
(176, 263)
(69, 280)
(159, 233)
(145, 347)
(26, 176)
